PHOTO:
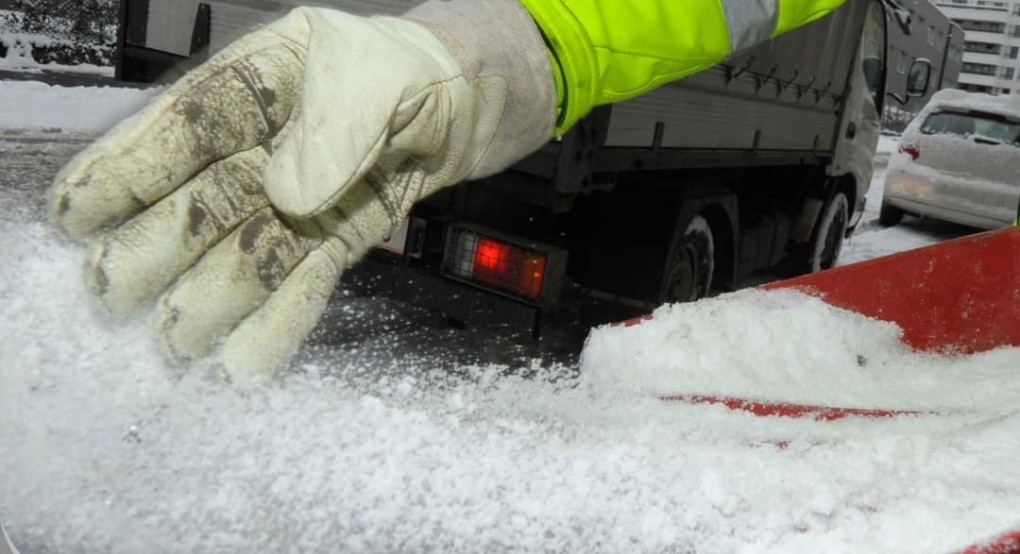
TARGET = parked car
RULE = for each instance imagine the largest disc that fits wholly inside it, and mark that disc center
(959, 161)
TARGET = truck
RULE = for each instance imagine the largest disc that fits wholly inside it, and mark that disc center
(759, 164)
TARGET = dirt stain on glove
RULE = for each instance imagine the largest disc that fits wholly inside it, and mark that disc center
(196, 217)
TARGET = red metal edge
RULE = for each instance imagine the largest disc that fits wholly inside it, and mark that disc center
(959, 296)
(634, 321)
(785, 409)
(1006, 543)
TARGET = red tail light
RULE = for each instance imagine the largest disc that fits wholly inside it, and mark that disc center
(914, 151)
(509, 267)
(491, 256)
(499, 264)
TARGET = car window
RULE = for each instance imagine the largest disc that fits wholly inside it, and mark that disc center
(966, 125)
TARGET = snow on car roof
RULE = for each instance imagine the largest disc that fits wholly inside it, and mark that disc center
(961, 100)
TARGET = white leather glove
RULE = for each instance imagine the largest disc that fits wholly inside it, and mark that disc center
(249, 186)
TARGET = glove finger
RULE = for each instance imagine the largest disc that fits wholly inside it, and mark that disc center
(231, 281)
(268, 338)
(143, 256)
(233, 103)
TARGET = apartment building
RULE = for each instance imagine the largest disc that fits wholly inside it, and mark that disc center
(992, 44)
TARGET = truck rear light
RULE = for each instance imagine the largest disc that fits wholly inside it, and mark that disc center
(913, 151)
(515, 267)
(505, 266)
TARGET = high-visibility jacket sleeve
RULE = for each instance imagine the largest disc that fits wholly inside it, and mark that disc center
(605, 51)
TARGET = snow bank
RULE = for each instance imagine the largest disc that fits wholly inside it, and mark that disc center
(107, 449)
(30, 104)
(785, 346)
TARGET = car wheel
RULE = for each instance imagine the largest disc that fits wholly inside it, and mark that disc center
(827, 242)
(889, 215)
(691, 263)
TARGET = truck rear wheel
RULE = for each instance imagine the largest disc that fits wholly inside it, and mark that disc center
(889, 215)
(691, 263)
(827, 242)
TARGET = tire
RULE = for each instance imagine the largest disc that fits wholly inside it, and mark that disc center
(691, 264)
(827, 242)
(889, 215)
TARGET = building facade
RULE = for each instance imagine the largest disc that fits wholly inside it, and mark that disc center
(921, 30)
(991, 57)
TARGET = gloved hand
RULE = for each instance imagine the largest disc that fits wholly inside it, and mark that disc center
(249, 186)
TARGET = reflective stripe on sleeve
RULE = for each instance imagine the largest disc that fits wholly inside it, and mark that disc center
(750, 21)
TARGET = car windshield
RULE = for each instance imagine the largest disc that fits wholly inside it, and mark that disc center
(971, 124)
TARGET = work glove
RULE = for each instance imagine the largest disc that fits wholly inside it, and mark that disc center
(243, 192)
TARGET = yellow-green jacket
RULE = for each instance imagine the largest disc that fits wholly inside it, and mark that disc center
(606, 51)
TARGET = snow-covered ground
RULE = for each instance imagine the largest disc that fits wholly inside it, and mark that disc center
(105, 448)
(35, 105)
(19, 45)
(19, 56)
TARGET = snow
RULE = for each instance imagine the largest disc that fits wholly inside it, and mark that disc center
(878, 242)
(887, 145)
(19, 56)
(1007, 105)
(739, 346)
(973, 168)
(969, 165)
(31, 104)
(107, 449)
(103, 447)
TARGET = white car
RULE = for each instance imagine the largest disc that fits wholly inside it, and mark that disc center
(959, 161)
